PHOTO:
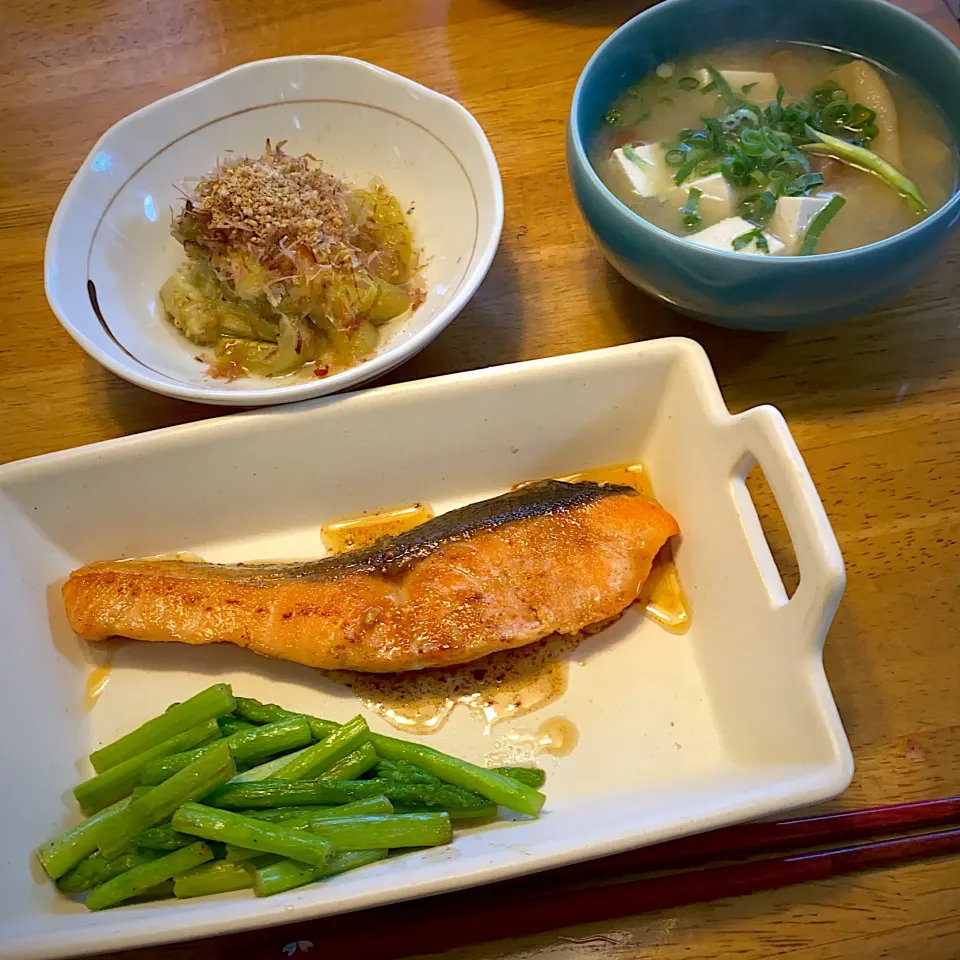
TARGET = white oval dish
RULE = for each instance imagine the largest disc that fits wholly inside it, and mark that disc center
(109, 248)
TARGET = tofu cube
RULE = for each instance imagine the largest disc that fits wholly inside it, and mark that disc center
(792, 217)
(642, 170)
(721, 236)
(717, 200)
(764, 84)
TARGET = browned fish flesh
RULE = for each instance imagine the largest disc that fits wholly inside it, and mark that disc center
(550, 557)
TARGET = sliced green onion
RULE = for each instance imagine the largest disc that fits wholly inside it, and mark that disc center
(804, 183)
(751, 236)
(723, 88)
(708, 87)
(747, 87)
(867, 160)
(693, 159)
(673, 158)
(819, 223)
(688, 83)
(692, 220)
(635, 157)
(758, 208)
(824, 93)
(612, 117)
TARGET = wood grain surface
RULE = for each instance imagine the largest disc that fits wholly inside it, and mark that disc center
(874, 403)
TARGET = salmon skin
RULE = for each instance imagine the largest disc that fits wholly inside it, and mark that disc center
(550, 557)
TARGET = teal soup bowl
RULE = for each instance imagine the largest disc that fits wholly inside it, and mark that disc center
(753, 291)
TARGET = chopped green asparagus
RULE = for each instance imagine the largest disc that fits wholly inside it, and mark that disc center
(142, 878)
(392, 831)
(257, 712)
(494, 786)
(531, 776)
(220, 876)
(402, 772)
(246, 746)
(319, 758)
(354, 765)
(231, 725)
(97, 869)
(257, 835)
(280, 814)
(283, 793)
(197, 780)
(216, 701)
(163, 837)
(268, 770)
(288, 874)
(116, 782)
(61, 854)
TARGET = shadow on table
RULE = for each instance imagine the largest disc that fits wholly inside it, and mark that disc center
(886, 356)
(586, 13)
(489, 331)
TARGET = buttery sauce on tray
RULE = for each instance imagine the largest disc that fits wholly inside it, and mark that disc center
(511, 683)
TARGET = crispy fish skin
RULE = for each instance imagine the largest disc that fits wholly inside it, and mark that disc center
(551, 557)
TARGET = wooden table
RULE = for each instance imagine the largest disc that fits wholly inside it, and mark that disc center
(874, 404)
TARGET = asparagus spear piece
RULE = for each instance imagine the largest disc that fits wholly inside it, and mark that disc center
(257, 712)
(231, 725)
(403, 772)
(59, 855)
(163, 837)
(141, 878)
(319, 758)
(216, 701)
(220, 876)
(531, 776)
(389, 832)
(97, 869)
(196, 780)
(288, 874)
(256, 835)
(374, 807)
(283, 793)
(281, 814)
(268, 770)
(866, 160)
(494, 786)
(354, 765)
(116, 782)
(246, 746)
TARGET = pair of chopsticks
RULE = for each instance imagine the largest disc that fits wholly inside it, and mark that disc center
(609, 888)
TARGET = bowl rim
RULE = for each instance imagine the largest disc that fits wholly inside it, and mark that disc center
(378, 365)
(621, 210)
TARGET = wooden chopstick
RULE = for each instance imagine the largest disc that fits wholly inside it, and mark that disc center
(598, 891)
(733, 843)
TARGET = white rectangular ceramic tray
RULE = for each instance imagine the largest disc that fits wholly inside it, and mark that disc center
(731, 721)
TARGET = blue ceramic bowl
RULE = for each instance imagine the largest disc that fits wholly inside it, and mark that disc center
(751, 291)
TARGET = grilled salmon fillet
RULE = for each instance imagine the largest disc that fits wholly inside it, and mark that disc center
(551, 557)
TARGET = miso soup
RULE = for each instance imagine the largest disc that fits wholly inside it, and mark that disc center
(787, 149)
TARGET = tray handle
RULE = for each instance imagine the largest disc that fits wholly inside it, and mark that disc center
(764, 438)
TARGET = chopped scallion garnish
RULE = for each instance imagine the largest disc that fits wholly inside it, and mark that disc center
(751, 236)
(867, 160)
(819, 223)
(692, 219)
(723, 88)
(635, 157)
(688, 83)
(747, 87)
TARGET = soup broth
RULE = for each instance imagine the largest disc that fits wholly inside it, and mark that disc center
(754, 176)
